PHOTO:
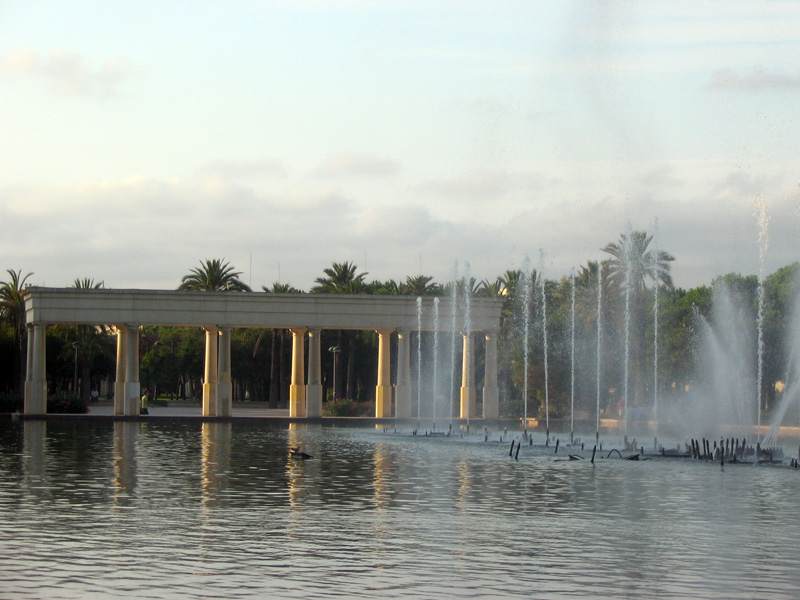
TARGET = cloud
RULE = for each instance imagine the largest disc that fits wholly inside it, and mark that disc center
(67, 72)
(244, 169)
(354, 165)
(484, 184)
(757, 80)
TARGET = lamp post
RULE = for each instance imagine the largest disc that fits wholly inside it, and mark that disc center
(75, 345)
(334, 350)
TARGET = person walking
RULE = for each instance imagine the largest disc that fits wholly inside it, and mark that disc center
(143, 410)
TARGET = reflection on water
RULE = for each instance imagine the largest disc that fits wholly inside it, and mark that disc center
(167, 510)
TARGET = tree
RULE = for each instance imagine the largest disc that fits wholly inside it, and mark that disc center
(633, 262)
(12, 308)
(214, 275)
(420, 285)
(340, 278)
(278, 384)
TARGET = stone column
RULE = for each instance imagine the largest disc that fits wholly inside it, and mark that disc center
(210, 373)
(467, 380)
(491, 393)
(383, 391)
(297, 388)
(402, 397)
(29, 368)
(36, 403)
(314, 389)
(119, 384)
(224, 385)
(133, 391)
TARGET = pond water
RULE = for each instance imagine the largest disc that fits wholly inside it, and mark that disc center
(167, 509)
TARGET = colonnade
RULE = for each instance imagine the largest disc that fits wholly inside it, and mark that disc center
(305, 315)
(305, 399)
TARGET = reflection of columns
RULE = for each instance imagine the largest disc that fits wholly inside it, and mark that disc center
(297, 388)
(314, 390)
(491, 394)
(34, 450)
(125, 433)
(132, 388)
(36, 402)
(224, 387)
(210, 374)
(467, 380)
(215, 458)
(402, 400)
(119, 384)
(383, 391)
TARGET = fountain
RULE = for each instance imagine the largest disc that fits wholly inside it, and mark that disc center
(544, 349)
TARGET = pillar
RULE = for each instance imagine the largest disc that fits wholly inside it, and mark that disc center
(210, 373)
(119, 383)
(402, 397)
(28, 393)
(224, 384)
(467, 380)
(383, 391)
(297, 388)
(491, 393)
(36, 390)
(314, 389)
(133, 390)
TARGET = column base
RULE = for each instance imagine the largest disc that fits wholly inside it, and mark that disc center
(314, 400)
(467, 403)
(224, 400)
(402, 401)
(383, 401)
(209, 399)
(119, 398)
(297, 400)
(133, 398)
(491, 402)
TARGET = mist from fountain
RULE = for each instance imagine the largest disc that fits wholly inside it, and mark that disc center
(419, 359)
(544, 349)
(572, 360)
(526, 323)
(434, 385)
(763, 244)
(599, 345)
(791, 391)
(467, 330)
(453, 329)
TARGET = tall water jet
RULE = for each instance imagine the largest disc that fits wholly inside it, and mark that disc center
(626, 253)
(419, 358)
(763, 243)
(572, 361)
(655, 330)
(599, 344)
(453, 329)
(467, 336)
(435, 356)
(544, 349)
(526, 315)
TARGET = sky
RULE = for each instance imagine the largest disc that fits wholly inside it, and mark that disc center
(139, 138)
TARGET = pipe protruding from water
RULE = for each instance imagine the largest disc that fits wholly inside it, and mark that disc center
(511, 451)
(516, 456)
(594, 450)
(557, 442)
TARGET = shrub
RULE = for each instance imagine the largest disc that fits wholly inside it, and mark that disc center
(10, 403)
(66, 402)
(344, 407)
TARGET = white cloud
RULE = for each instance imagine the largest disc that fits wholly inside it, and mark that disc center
(758, 79)
(67, 72)
(355, 165)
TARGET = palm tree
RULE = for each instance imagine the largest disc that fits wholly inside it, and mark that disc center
(633, 263)
(214, 275)
(340, 278)
(420, 285)
(278, 385)
(12, 308)
(89, 342)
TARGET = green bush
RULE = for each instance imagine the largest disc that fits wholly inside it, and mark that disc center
(66, 402)
(10, 403)
(343, 407)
